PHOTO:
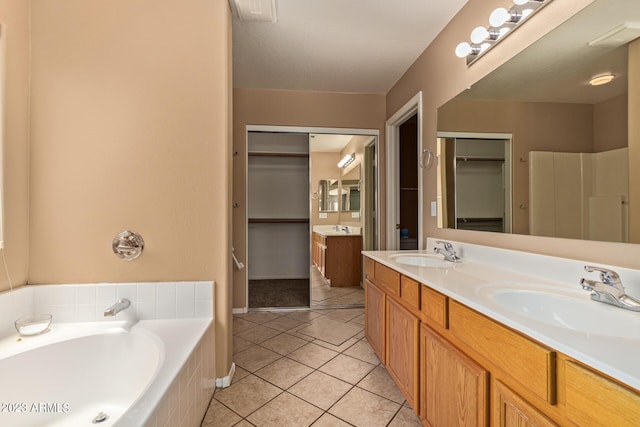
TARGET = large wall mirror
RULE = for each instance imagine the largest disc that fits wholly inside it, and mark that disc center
(328, 195)
(568, 140)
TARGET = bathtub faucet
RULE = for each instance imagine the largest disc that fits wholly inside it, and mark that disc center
(121, 304)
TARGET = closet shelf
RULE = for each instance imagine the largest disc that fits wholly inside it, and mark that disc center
(479, 159)
(275, 154)
(278, 220)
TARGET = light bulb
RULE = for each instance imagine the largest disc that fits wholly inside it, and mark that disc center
(479, 34)
(503, 31)
(463, 49)
(484, 46)
(520, 2)
(499, 16)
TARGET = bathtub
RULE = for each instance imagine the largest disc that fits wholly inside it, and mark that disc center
(149, 373)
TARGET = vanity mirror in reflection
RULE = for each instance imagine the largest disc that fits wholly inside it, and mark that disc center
(350, 190)
(328, 195)
(569, 140)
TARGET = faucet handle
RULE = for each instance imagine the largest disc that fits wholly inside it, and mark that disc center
(447, 246)
(608, 277)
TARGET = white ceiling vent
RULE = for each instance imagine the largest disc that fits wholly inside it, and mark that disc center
(255, 10)
(619, 36)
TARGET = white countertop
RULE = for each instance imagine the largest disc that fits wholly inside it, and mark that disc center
(613, 355)
(330, 230)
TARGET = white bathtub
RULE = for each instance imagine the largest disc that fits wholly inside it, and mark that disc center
(138, 375)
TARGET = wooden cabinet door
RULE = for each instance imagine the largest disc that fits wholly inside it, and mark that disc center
(374, 313)
(510, 410)
(403, 356)
(454, 388)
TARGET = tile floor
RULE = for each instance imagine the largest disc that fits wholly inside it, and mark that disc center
(307, 368)
(323, 295)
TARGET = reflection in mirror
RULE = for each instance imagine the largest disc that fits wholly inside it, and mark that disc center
(350, 190)
(569, 139)
(328, 195)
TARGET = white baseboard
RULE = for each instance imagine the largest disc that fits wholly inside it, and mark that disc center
(225, 382)
(242, 310)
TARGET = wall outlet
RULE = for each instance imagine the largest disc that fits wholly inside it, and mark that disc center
(434, 208)
(355, 214)
(322, 215)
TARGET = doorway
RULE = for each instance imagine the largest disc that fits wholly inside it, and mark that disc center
(405, 177)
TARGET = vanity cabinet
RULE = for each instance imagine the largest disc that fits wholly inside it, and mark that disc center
(402, 352)
(338, 258)
(456, 366)
(455, 389)
(375, 318)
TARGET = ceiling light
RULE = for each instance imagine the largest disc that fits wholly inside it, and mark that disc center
(255, 10)
(347, 160)
(601, 80)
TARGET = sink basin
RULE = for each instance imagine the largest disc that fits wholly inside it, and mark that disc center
(564, 308)
(422, 260)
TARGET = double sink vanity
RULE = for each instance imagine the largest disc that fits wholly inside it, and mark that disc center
(503, 337)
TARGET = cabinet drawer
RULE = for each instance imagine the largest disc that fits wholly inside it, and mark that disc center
(434, 306)
(526, 361)
(369, 268)
(595, 400)
(410, 292)
(387, 277)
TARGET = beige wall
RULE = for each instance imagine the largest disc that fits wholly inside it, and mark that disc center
(14, 19)
(610, 124)
(131, 130)
(441, 76)
(289, 108)
(634, 142)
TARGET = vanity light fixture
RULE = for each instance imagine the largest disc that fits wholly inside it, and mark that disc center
(501, 22)
(347, 160)
(601, 80)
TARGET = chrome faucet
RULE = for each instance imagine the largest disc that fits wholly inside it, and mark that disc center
(609, 290)
(447, 251)
(345, 229)
(121, 304)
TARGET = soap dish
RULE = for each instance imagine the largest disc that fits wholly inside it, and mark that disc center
(33, 325)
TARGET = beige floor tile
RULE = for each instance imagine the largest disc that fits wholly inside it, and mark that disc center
(244, 423)
(332, 331)
(240, 344)
(345, 314)
(283, 323)
(255, 357)
(304, 316)
(284, 372)
(320, 389)
(284, 343)
(328, 420)
(261, 317)
(258, 334)
(359, 320)
(219, 415)
(285, 410)
(363, 351)
(405, 418)
(355, 298)
(361, 408)
(239, 374)
(359, 335)
(339, 348)
(347, 368)
(247, 395)
(241, 325)
(312, 355)
(379, 382)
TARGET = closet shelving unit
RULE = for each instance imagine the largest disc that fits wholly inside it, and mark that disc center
(278, 212)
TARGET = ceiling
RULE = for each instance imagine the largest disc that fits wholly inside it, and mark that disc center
(557, 67)
(353, 46)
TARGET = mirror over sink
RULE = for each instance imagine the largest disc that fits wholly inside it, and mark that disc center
(565, 142)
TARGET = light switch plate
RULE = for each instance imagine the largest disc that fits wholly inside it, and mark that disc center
(355, 214)
(322, 215)
(434, 208)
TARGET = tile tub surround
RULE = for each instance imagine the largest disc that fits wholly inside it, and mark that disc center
(87, 302)
(482, 265)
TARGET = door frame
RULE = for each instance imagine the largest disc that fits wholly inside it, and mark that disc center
(392, 131)
(291, 129)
